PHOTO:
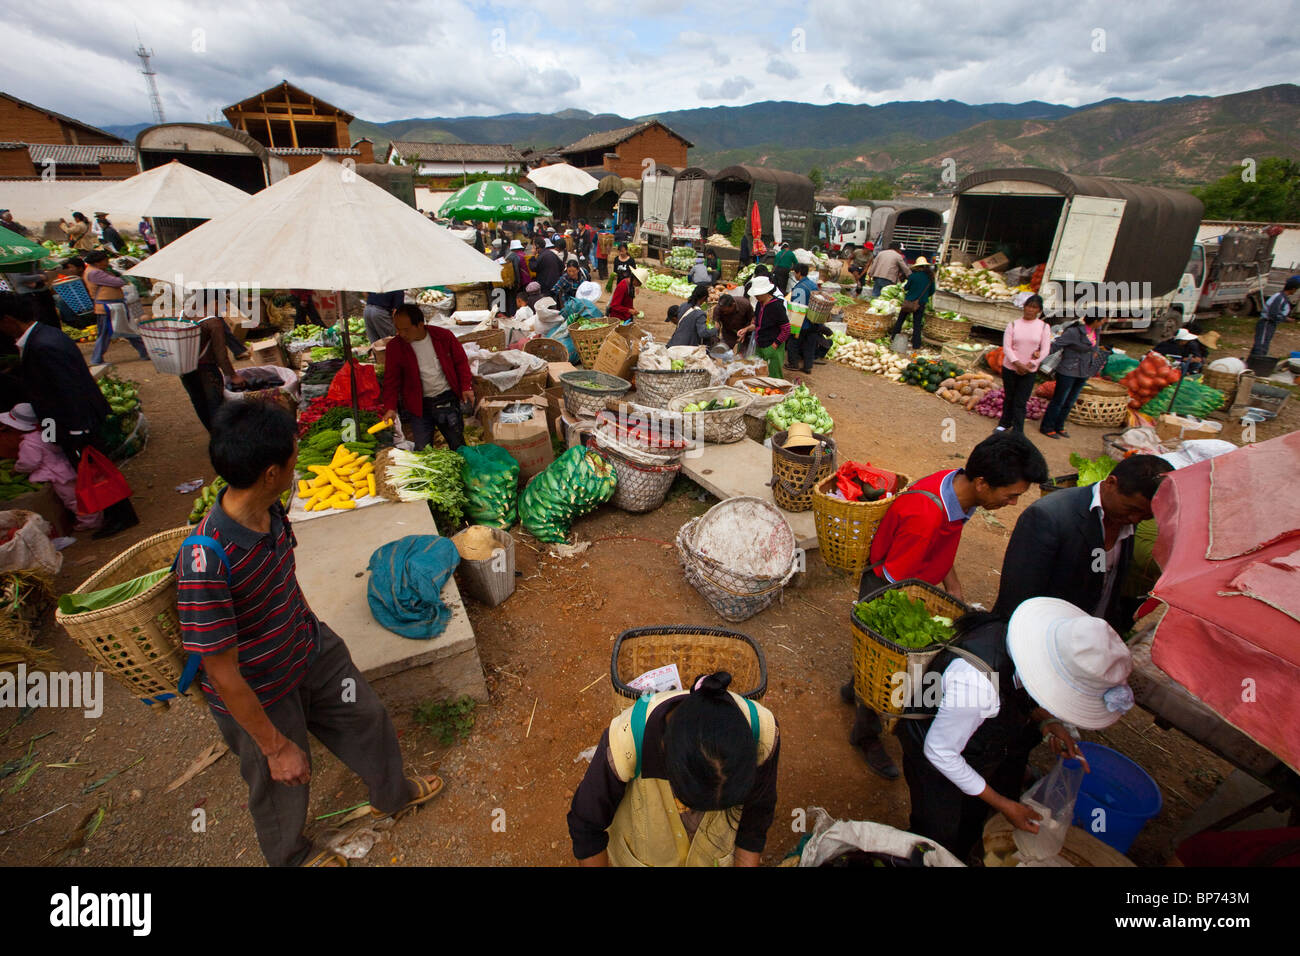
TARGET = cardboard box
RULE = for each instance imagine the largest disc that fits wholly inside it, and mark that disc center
(617, 356)
(557, 369)
(1176, 426)
(267, 352)
(528, 443)
(995, 263)
(46, 504)
(554, 402)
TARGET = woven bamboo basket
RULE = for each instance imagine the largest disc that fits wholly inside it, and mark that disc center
(695, 650)
(1225, 382)
(533, 383)
(137, 642)
(485, 339)
(1102, 410)
(795, 474)
(845, 528)
(582, 400)
(865, 324)
(546, 349)
(944, 330)
(876, 659)
(656, 387)
(756, 425)
(641, 486)
(963, 358)
(589, 341)
(734, 594)
(719, 427)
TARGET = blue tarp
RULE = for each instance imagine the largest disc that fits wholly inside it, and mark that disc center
(406, 580)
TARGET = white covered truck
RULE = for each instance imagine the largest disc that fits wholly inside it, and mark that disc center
(1105, 246)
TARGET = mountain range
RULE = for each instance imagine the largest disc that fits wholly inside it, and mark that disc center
(1182, 141)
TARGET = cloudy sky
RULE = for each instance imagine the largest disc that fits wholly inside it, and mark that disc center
(385, 60)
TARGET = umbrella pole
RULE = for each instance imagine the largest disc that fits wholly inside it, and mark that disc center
(348, 358)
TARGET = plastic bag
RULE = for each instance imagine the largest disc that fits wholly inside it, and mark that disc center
(491, 477)
(99, 483)
(853, 478)
(572, 485)
(1052, 798)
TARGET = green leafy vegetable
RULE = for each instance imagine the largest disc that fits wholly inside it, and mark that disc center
(905, 621)
(1092, 470)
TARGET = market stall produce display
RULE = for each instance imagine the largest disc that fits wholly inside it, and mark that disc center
(13, 483)
(491, 477)
(966, 389)
(1194, 398)
(431, 475)
(88, 334)
(1147, 377)
(800, 406)
(929, 374)
(338, 485)
(981, 282)
(206, 499)
(868, 357)
(572, 485)
(990, 406)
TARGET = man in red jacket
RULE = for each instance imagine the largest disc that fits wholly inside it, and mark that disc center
(426, 379)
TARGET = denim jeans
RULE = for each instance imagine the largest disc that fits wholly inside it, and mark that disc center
(1063, 399)
(113, 312)
(878, 287)
(1264, 330)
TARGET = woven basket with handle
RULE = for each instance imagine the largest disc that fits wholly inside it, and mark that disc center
(1225, 382)
(795, 474)
(845, 528)
(589, 341)
(548, 350)
(1102, 410)
(136, 642)
(533, 383)
(695, 651)
(656, 387)
(585, 392)
(720, 427)
(944, 330)
(865, 324)
(876, 659)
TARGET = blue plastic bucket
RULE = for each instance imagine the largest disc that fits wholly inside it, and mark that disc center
(1124, 793)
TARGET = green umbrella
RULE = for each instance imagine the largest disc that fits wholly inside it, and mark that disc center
(16, 250)
(492, 199)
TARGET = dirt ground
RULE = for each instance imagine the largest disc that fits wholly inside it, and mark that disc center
(546, 656)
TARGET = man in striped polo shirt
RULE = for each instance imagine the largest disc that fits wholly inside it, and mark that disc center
(270, 670)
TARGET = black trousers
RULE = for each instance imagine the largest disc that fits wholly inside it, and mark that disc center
(206, 389)
(918, 323)
(781, 278)
(440, 412)
(1016, 391)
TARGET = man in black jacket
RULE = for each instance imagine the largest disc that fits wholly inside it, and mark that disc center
(1076, 544)
(549, 266)
(60, 387)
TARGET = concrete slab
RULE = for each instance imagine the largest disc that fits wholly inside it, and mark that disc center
(743, 468)
(333, 553)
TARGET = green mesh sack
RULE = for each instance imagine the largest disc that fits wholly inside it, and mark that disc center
(491, 477)
(572, 485)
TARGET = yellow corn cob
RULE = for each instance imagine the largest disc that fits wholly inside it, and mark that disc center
(345, 505)
(304, 489)
(319, 481)
(370, 485)
(317, 470)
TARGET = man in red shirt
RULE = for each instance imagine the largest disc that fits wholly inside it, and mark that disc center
(918, 538)
(426, 379)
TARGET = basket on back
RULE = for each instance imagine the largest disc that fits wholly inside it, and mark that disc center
(136, 642)
(589, 341)
(695, 651)
(845, 528)
(877, 660)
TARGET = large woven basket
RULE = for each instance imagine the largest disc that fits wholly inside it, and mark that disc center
(876, 659)
(962, 358)
(795, 474)
(583, 396)
(865, 324)
(589, 341)
(546, 349)
(1225, 382)
(720, 427)
(845, 528)
(137, 642)
(485, 339)
(755, 425)
(944, 330)
(695, 650)
(533, 383)
(656, 387)
(642, 486)
(737, 595)
(1104, 410)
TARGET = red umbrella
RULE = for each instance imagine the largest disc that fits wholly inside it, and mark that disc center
(1231, 634)
(755, 222)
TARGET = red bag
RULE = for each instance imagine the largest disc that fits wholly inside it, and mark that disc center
(852, 476)
(99, 483)
(340, 392)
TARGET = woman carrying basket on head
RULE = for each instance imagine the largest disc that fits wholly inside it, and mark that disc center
(682, 778)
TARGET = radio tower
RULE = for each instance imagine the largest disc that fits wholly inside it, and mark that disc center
(155, 100)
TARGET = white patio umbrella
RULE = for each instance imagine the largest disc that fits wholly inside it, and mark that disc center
(323, 228)
(563, 178)
(172, 190)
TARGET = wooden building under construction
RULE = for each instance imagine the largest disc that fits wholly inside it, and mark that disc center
(298, 127)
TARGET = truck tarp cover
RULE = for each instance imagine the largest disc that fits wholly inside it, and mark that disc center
(792, 190)
(1155, 234)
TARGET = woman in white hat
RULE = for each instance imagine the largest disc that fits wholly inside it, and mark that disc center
(981, 712)
(771, 326)
(40, 459)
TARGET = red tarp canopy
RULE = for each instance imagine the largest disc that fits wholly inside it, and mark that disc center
(1237, 652)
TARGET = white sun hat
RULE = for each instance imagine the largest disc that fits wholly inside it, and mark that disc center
(1075, 666)
(589, 291)
(761, 286)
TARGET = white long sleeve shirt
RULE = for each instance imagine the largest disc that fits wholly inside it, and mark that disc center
(969, 698)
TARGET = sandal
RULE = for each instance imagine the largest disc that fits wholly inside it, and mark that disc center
(326, 857)
(426, 788)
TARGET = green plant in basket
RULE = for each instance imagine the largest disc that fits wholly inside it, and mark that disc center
(905, 621)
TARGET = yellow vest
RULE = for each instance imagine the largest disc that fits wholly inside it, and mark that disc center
(647, 829)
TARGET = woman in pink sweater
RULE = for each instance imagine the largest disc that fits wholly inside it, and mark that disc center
(42, 460)
(1025, 344)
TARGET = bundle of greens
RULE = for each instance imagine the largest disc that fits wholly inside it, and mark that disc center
(903, 621)
(1193, 399)
(432, 475)
(13, 483)
(1092, 470)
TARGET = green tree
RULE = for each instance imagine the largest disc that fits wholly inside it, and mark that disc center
(869, 189)
(1273, 196)
(818, 180)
